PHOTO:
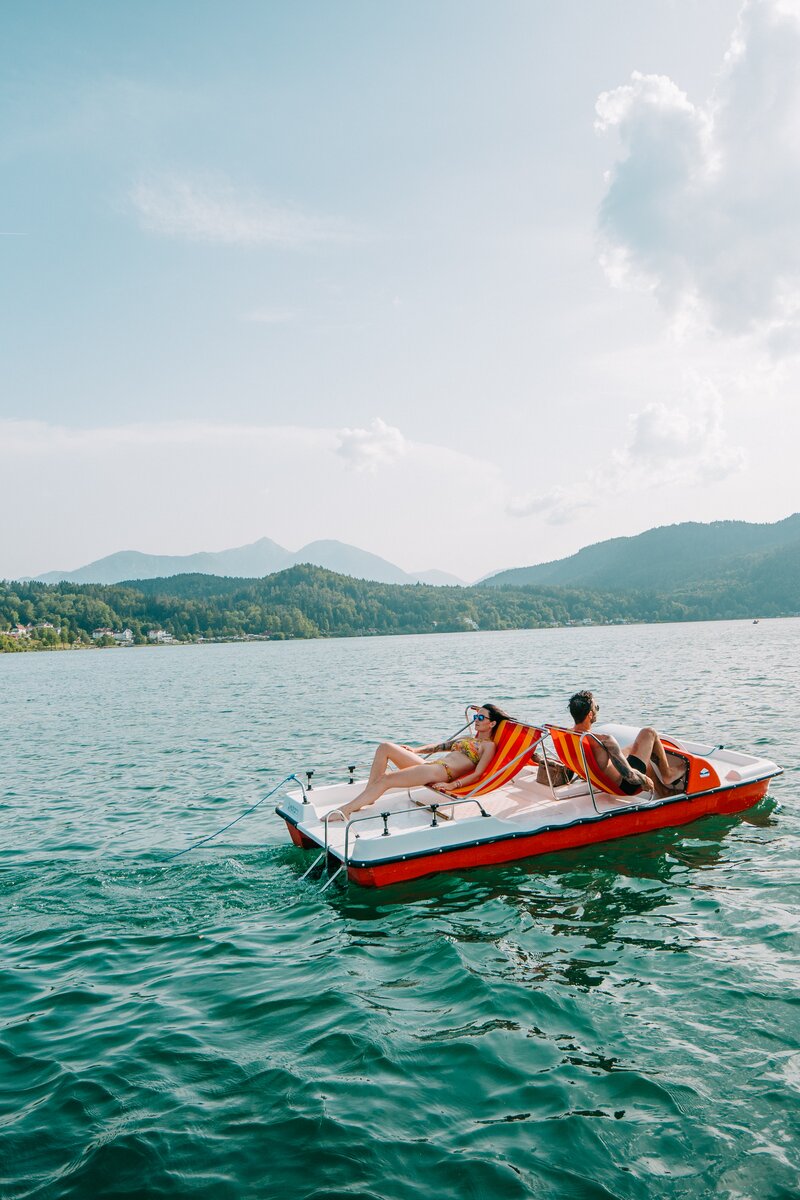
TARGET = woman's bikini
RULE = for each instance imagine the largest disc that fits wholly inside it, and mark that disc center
(469, 747)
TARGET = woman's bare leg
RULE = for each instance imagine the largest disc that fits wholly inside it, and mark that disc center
(390, 752)
(407, 777)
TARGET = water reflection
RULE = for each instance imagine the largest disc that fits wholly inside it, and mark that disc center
(665, 857)
(577, 920)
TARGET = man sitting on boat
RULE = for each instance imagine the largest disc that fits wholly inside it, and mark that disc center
(641, 766)
(465, 761)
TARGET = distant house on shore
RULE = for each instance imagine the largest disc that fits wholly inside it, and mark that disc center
(160, 636)
(123, 638)
(19, 631)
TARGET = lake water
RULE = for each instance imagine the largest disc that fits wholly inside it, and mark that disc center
(616, 1022)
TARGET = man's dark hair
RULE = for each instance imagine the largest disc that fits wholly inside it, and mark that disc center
(580, 706)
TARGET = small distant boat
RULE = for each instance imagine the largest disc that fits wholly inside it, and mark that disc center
(542, 792)
(755, 620)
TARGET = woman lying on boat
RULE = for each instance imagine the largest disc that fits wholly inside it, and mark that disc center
(465, 761)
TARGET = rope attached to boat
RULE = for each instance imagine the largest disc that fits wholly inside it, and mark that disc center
(236, 820)
(258, 804)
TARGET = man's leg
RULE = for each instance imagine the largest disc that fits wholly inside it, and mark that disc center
(648, 747)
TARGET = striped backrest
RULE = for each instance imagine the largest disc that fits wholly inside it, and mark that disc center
(567, 745)
(515, 744)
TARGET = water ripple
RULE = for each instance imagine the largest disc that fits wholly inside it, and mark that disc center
(614, 1023)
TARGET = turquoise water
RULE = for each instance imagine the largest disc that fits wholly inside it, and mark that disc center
(619, 1022)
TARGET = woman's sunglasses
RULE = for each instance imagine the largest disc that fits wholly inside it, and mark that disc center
(481, 717)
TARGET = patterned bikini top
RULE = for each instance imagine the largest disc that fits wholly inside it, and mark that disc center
(468, 746)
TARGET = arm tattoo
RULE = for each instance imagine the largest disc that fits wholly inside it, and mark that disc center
(623, 766)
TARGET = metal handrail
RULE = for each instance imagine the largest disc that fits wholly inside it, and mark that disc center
(637, 798)
(384, 816)
(325, 847)
(587, 774)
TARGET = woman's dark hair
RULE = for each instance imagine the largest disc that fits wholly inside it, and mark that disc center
(580, 706)
(496, 715)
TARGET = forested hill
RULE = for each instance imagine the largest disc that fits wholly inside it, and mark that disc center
(668, 557)
(306, 601)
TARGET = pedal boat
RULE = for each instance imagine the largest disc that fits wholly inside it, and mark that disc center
(543, 792)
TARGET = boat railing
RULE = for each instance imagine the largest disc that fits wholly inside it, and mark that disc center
(433, 808)
(635, 800)
(481, 786)
(547, 761)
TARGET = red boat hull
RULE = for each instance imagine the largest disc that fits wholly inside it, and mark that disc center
(585, 833)
(299, 838)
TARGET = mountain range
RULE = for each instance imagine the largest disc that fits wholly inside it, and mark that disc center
(669, 558)
(260, 558)
(726, 570)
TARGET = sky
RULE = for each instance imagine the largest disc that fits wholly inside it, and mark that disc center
(467, 285)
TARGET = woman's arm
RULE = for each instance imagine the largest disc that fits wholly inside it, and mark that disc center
(430, 749)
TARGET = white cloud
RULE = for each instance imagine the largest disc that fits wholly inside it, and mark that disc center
(369, 449)
(683, 445)
(557, 507)
(668, 445)
(216, 212)
(704, 208)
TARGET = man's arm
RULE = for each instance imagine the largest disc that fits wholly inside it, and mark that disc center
(619, 761)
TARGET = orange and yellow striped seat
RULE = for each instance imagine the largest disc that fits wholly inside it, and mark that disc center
(515, 745)
(567, 745)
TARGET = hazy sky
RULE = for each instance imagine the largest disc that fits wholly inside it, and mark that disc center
(469, 285)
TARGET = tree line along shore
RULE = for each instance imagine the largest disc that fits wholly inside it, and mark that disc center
(310, 602)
